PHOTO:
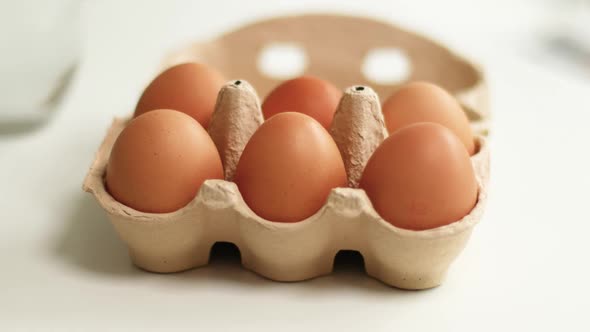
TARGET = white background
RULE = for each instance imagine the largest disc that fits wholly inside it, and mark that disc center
(525, 268)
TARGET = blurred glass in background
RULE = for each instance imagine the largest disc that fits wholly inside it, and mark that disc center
(563, 42)
(40, 48)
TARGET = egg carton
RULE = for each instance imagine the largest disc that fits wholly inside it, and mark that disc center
(181, 240)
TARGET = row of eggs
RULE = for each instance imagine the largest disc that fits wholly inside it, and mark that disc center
(420, 177)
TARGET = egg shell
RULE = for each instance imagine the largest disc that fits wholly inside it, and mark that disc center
(420, 177)
(160, 160)
(290, 252)
(309, 95)
(427, 102)
(190, 88)
(289, 167)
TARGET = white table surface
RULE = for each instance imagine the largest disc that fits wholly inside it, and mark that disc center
(525, 268)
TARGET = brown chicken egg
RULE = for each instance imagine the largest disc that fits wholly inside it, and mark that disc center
(426, 102)
(190, 88)
(289, 167)
(421, 177)
(306, 94)
(160, 160)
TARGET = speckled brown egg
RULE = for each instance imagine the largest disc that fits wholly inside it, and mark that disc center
(160, 160)
(289, 167)
(426, 102)
(421, 177)
(190, 88)
(306, 94)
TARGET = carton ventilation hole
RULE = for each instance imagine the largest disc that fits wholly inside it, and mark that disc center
(224, 252)
(349, 261)
(282, 60)
(386, 66)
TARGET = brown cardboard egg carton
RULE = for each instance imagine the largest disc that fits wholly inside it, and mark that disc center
(402, 258)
